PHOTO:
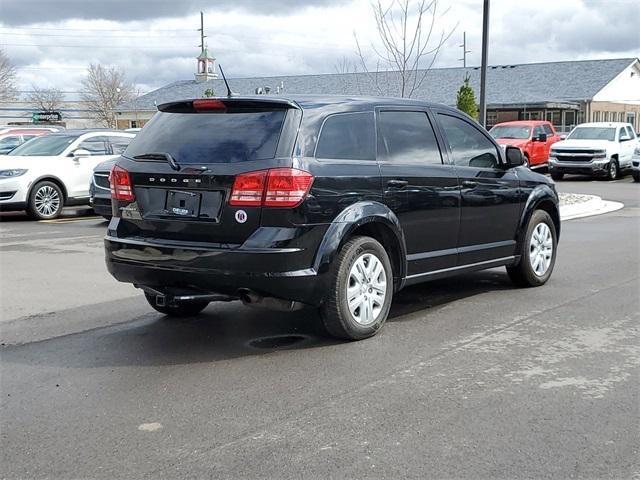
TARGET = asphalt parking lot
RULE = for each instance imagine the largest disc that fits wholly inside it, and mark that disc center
(471, 377)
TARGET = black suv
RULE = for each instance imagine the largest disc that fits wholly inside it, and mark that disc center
(332, 202)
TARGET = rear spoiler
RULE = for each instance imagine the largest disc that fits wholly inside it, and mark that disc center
(231, 105)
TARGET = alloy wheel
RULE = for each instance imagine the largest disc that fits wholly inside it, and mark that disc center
(366, 289)
(47, 201)
(541, 249)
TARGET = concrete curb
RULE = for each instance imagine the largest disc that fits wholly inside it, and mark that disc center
(593, 205)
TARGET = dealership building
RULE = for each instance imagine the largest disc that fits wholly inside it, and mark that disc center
(565, 93)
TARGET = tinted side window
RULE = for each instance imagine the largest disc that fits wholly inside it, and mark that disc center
(119, 144)
(407, 137)
(537, 131)
(347, 136)
(468, 146)
(547, 130)
(96, 145)
(623, 135)
(632, 134)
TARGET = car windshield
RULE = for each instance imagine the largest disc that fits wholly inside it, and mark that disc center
(593, 133)
(44, 146)
(511, 131)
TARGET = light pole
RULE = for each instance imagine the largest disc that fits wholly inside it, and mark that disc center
(483, 68)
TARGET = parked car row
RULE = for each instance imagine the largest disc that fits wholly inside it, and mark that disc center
(51, 171)
(12, 137)
(604, 149)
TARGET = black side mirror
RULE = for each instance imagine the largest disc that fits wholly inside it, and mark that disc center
(541, 138)
(514, 155)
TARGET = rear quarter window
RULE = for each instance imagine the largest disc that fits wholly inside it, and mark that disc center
(211, 137)
(347, 136)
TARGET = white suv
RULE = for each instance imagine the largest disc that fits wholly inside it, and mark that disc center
(604, 148)
(46, 173)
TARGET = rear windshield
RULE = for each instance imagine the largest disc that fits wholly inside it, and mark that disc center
(211, 137)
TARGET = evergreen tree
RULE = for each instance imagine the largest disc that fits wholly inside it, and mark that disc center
(466, 99)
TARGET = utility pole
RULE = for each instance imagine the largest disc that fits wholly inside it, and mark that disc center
(201, 30)
(483, 69)
(464, 50)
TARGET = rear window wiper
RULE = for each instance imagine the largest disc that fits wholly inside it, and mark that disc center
(159, 156)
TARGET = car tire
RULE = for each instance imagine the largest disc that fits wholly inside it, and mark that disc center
(636, 176)
(361, 272)
(557, 176)
(614, 170)
(179, 309)
(46, 201)
(536, 262)
(526, 162)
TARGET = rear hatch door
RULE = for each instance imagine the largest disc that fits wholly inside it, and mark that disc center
(184, 163)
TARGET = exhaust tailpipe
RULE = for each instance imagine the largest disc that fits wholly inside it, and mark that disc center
(255, 300)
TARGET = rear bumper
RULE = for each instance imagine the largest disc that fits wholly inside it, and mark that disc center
(102, 206)
(272, 272)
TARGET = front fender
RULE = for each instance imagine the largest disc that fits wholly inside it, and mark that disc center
(541, 194)
(352, 218)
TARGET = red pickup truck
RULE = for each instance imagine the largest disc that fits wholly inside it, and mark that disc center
(534, 137)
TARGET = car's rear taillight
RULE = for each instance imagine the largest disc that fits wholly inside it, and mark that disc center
(120, 183)
(248, 189)
(286, 187)
(209, 105)
(278, 187)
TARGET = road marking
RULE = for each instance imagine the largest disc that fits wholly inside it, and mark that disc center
(70, 220)
(150, 427)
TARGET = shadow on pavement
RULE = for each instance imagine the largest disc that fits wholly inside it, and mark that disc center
(227, 330)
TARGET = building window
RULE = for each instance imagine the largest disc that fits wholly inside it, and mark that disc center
(569, 120)
(555, 117)
(492, 119)
(533, 115)
(631, 118)
(133, 124)
(596, 116)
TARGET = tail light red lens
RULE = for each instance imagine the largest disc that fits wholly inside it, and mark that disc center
(287, 187)
(278, 187)
(120, 183)
(248, 189)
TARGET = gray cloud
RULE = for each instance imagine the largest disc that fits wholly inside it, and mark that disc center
(21, 12)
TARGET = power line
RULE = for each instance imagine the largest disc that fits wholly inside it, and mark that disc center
(132, 35)
(95, 29)
(142, 47)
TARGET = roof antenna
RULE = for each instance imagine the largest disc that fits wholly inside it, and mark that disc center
(229, 92)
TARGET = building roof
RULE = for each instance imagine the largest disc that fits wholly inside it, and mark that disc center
(506, 84)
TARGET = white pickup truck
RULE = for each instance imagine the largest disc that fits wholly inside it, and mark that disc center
(603, 149)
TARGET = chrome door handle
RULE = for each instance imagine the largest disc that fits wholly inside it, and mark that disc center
(396, 183)
(469, 184)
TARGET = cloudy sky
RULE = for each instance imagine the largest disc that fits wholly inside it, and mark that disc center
(51, 42)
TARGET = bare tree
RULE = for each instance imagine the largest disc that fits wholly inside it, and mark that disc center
(46, 99)
(344, 68)
(409, 43)
(104, 89)
(7, 78)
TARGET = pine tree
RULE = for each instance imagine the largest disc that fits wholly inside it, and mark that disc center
(466, 99)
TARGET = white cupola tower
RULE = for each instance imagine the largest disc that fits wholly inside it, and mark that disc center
(206, 66)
